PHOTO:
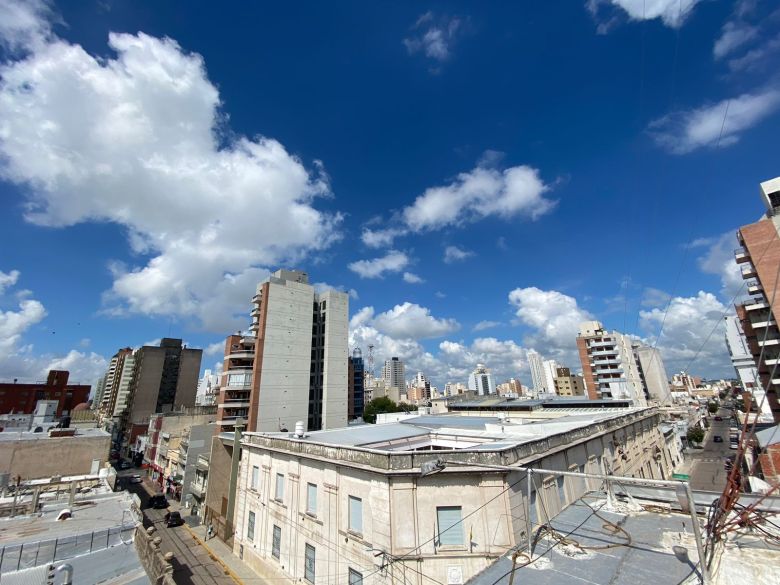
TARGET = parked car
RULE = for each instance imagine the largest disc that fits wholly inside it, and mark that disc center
(173, 519)
(717, 439)
(158, 502)
(718, 418)
(733, 446)
(136, 479)
(125, 465)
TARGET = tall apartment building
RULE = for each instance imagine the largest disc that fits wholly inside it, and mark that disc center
(512, 386)
(394, 373)
(568, 384)
(759, 257)
(653, 373)
(550, 371)
(481, 380)
(145, 381)
(292, 365)
(537, 371)
(356, 388)
(609, 364)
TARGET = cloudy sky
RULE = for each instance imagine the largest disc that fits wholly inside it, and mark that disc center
(480, 178)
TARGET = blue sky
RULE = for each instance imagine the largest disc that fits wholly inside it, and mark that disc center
(481, 177)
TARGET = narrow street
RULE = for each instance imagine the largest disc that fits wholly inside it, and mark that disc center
(707, 471)
(193, 564)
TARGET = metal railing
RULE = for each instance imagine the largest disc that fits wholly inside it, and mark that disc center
(14, 557)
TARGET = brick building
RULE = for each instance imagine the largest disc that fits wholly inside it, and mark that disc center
(21, 398)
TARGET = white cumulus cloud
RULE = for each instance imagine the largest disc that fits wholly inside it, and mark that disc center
(412, 278)
(18, 359)
(482, 325)
(555, 317)
(454, 254)
(409, 320)
(718, 259)
(480, 193)
(673, 13)
(137, 138)
(8, 279)
(433, 36)
(714, 125)
(393, 261)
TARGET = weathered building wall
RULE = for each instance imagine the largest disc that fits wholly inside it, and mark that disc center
(42, 457)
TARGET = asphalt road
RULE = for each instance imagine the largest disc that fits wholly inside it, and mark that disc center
(192, 563)
(707, 472)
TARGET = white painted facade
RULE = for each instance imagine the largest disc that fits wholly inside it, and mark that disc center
(299, 497)
(744, 365)
(334, 361)
(537, 371)
(654, 373)
(549, 370)
(481, 381)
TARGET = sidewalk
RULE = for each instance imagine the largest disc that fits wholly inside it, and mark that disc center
(219, 551)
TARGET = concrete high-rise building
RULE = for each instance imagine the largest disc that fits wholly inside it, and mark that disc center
(537, 371)
(292, 365)
(481, 381)
(759, 259)
(394, 373)
(609, 365)
(145, 381)
(550, 372)
(568, 384)
(653, 373)
(208, 389)
(356, 388)
(741, 358)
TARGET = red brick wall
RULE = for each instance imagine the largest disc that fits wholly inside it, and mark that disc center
(770, 464)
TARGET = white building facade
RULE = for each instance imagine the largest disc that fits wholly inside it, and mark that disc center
(481, 381)
(345, 506)
(537, 371)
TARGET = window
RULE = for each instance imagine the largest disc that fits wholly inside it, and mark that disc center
(311, 499)
(279, 487)
(276, 545)
(255, 477)
(450, 525)
(308, 565)
(355, 578)
(355, 514)
(250, 527)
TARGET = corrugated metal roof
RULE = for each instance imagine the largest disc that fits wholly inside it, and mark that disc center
(770, 436)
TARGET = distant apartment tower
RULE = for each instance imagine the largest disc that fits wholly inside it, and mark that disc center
(394, 373)
(568, 384)
(356, 387)
(537, 370)
(550, 372)
(145, 381)
(759, 257)
(609, 365)
(653, 373)
(481, 381)
(208, 389)
(292, 365)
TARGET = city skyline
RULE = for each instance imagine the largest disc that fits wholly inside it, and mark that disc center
(132, 219)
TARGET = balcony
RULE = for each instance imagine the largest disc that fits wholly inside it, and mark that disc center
(255, 312)
(755, 304)
(241, 354)
(604, 352)
(608, 371)
(254, 326)
(609, 343)
(748, 271)
(764, 322)
(741, 255)
(772, 361)
(257, 298)
(227, 404)
(770, 341)
(606, 362)
(753, 287)
(197, 490)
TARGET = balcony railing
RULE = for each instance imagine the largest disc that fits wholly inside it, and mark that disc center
(741, 254)
(753, 286)
(748, 270)
(197, 490)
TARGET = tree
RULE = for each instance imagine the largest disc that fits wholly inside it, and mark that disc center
(712, 407)
(695, 435)
(378, 406)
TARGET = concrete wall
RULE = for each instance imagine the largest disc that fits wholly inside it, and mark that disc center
(47, 457)
(199, 442)
(399, 507)
(283, 397)
(334, 378)
(218, 483)
(656, 380)
(147, 387)
(189, 372)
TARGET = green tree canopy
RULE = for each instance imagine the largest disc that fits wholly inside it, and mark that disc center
(695, 435)
(378, 406)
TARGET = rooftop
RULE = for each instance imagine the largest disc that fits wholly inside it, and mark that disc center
(11, 435)
(497, 440)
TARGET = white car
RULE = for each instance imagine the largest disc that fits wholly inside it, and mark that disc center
(136, 479)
